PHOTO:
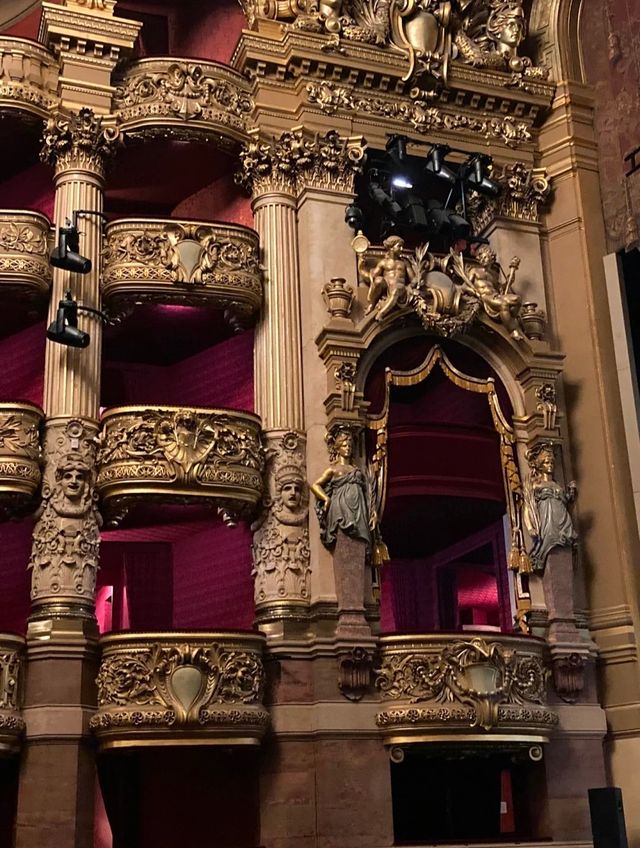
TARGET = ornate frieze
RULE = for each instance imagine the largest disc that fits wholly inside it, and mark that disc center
(28, 78)
(25, 270)
(281, 555)
(78, 140)
(448, 293)
(298, 160)
(189, 688)
(524, 192)
(66, 538)
(431, 34)
(421, 114)
(179, 455)
(471, 687)
(185, 97)
(11, 670)
(19, 456)
(184, 262)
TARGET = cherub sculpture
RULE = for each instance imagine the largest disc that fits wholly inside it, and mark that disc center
(484, 281)
(389, 280)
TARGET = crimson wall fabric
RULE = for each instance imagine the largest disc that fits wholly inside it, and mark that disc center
(15, 547)
(22, 358)
(221, 376)
(213, 587)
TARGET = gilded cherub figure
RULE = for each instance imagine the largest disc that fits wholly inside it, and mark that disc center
(484, 281)
(389, 279)
(546, 507)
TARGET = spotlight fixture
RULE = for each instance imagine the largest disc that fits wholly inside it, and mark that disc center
(64, 330)
(354, 218)
(475, 175)
(396, 147)
(448, 222)
(66, 255)
(436, 164)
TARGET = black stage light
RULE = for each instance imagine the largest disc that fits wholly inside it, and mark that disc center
(66, 255)
(396, 147)
(436, 164)
(354, 218)
(476, 169)
(64, 330)
(447, 222)
(390, 206)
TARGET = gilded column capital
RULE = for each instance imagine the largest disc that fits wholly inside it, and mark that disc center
(524, 191)
(298, 160)
(78, 140)
(66, 538)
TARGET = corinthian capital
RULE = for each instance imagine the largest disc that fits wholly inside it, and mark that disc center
(298, 160)
(524, 192)
(78, 140)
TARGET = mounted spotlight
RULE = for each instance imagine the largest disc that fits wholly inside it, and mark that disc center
(354, 218)
(436, 164)
(66, 255)
(396, 147)
(64, 330)
(447, 222)
(475, 175)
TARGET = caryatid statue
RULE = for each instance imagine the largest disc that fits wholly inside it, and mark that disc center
(547, 513)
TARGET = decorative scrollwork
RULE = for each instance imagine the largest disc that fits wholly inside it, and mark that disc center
(19, 456)
(211, 680)
(24, 255)
(183, 262)
(81, 138)
(194, 453)
(154, 90)
(419, 113)
(11, 666)
(479, 674)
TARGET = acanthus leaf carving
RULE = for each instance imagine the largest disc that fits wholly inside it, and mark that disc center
(78, 138)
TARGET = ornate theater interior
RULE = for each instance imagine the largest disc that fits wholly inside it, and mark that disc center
(319, 452)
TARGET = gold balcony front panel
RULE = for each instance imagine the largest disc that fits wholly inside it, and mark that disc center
(19, 455)
(25, 270)
(183, 98)
(183, 262)
(463, 688)
(29, 79)
(179, 455)
(11, 664)
(183, 688)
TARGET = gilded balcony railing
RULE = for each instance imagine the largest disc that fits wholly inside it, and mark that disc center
(19, 456)
(188, 688)
(463, 687)
(28, 78)
(184, 98)
(169, 454)
(25, 270)
(183, 262)
(11, 722)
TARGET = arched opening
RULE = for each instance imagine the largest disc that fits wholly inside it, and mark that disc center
(450, 488)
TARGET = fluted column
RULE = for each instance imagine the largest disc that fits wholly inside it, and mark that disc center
(66, 539)
(281, 536)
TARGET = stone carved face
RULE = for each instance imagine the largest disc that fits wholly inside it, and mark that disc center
(344, 445)
(73, 477)
(291, 494)
(546, 462)
(485, 256)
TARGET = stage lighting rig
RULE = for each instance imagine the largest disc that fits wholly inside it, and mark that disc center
(64, 330)
(67, 253)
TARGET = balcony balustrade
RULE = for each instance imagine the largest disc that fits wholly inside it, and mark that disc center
(11, 722)
(183, 262)
(19, 456)
(25, 270)
(463, 688)
(189, 688)
(182, 98)
(28, 78)
(179, 455)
